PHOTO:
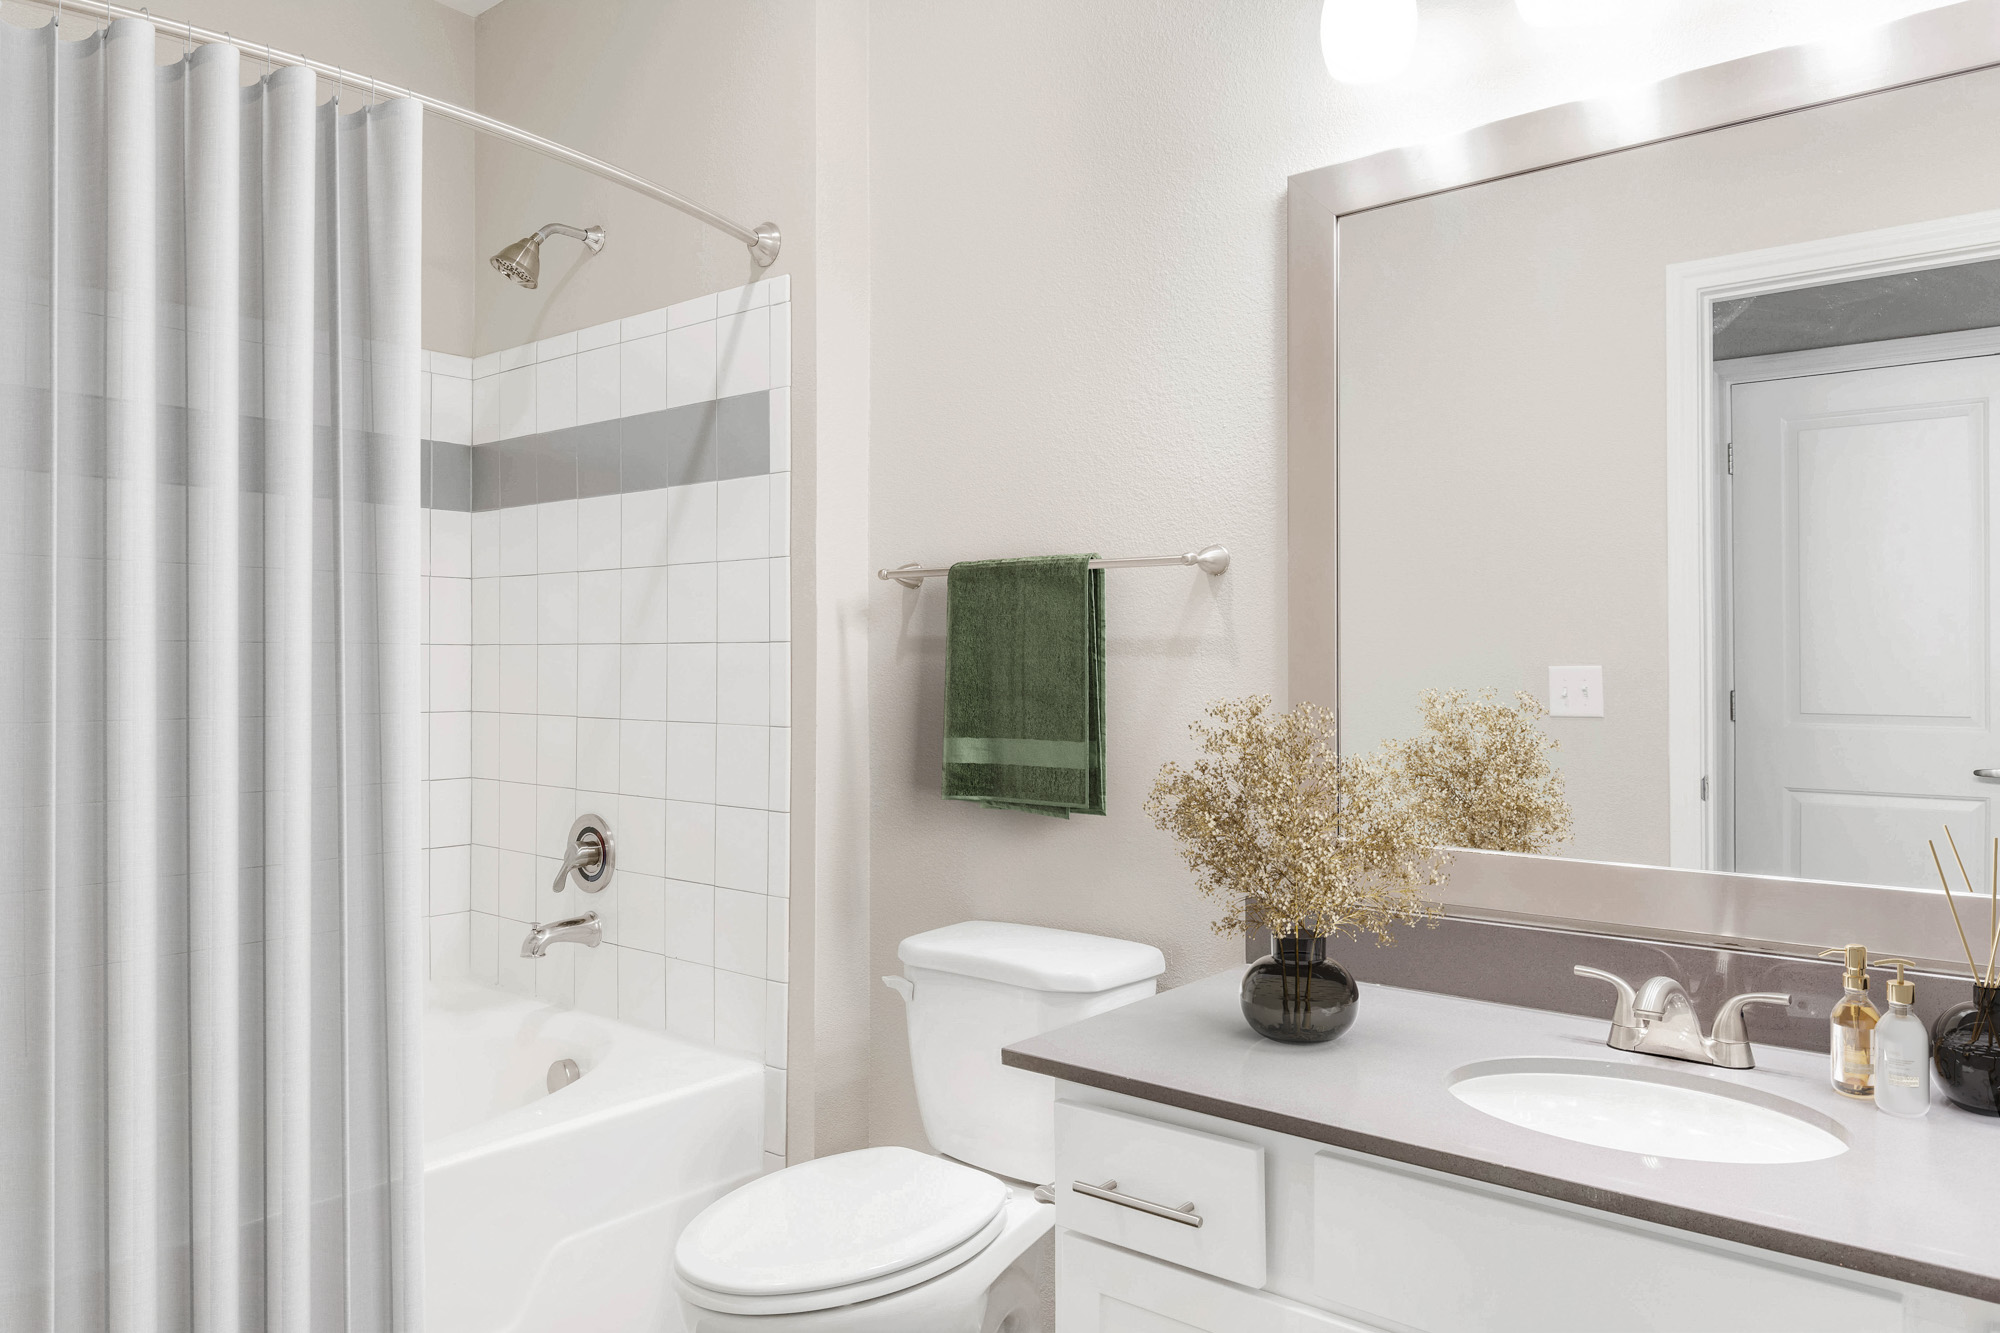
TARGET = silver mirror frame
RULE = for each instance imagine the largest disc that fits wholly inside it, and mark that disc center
(1656, 902)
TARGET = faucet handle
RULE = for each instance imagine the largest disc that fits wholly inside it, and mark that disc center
(1729, 1021)
(588, 855)
(1626, 1034)
(1621, 1017)
(1729, 1047)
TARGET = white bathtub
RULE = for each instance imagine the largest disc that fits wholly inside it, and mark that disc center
(550, 1212)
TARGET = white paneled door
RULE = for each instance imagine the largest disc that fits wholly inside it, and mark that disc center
(1862, 590)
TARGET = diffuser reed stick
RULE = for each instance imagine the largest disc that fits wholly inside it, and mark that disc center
(1979, 978)
(1945, 880)
(1970, 892)
(1993, 916)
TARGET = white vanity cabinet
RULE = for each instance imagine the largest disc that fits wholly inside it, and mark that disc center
(1417, 1249)
(1103, 1289)
(1352, 1243)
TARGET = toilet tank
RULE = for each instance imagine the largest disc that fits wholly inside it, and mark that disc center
(973, 988)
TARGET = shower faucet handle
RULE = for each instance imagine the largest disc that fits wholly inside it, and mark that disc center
(589, 855)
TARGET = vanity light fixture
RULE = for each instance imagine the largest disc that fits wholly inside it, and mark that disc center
(1367, 41)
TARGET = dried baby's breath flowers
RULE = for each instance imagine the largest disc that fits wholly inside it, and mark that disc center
(1291, 835)
(1480, 773)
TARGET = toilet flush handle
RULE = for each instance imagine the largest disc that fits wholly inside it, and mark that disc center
(903, 986)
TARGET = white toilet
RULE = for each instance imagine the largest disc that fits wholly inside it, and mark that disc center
(887, 1240)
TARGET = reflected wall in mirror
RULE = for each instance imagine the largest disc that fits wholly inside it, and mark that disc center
(1544, 383)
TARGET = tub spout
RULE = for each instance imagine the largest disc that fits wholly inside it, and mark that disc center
(585, 930)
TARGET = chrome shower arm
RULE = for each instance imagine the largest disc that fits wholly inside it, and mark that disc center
(593, 237)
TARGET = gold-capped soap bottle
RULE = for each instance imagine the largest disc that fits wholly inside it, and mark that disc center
(1852, 1048)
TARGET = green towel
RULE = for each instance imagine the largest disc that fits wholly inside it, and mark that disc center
(1024, 685)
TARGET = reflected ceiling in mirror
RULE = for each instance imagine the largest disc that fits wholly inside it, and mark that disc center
(1876, 309)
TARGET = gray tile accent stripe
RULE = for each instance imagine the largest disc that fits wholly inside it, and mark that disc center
(743, 427)
(447, 476)
(712, 441)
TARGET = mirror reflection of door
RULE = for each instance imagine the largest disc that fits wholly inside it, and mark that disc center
(1862, 591)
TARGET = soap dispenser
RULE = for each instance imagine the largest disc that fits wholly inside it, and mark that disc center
(1852, 1048)
(1902, 1051)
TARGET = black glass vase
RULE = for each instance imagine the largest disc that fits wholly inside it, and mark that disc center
(1965, 1050)
(1298, 994)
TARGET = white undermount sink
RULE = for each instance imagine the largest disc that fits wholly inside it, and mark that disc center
(1656, 1112)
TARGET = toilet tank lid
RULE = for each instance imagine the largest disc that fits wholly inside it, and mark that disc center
(1034, 957)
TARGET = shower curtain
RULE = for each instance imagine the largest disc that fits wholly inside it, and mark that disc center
(210, 695)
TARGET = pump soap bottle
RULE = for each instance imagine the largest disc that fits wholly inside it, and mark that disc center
(1902, 1050)
(1853, 1027)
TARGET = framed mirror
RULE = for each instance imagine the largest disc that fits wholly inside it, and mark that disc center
(1677, 411)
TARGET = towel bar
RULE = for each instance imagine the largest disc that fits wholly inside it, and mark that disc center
(1211, 560)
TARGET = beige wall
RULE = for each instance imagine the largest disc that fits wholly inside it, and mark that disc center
(1076, 331)
(417, 44)
(1078, 324)
(1503, 410)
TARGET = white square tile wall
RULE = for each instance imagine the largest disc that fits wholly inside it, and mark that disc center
(627, 654)
(448, 752)
(711, 347)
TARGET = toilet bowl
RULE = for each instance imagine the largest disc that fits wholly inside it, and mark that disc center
(890, 1240)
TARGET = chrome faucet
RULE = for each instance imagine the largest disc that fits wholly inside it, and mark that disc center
(1659, 1019)
(585, 930)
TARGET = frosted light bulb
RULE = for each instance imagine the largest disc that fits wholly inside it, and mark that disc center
(1367, 41)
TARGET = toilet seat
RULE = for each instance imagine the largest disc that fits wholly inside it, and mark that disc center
(803, 1301)
(837, 1230)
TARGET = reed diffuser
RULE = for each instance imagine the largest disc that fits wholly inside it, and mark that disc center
(1965, 1040)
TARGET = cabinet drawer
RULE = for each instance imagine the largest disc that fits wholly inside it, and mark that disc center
(1152, 1169)
(1401, 1244)
(1102, 1290)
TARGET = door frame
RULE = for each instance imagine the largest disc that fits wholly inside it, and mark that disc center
(1699, 666)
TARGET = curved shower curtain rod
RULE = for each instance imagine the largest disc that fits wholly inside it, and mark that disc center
(763, 240)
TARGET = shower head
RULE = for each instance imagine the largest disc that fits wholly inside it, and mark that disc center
(522, 261)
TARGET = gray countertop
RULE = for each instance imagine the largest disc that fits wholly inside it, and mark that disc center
(1911, 1200)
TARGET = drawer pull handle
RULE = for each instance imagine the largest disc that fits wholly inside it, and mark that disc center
(1108, 1191)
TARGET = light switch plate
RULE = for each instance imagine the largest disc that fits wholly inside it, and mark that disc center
(1576, 691)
